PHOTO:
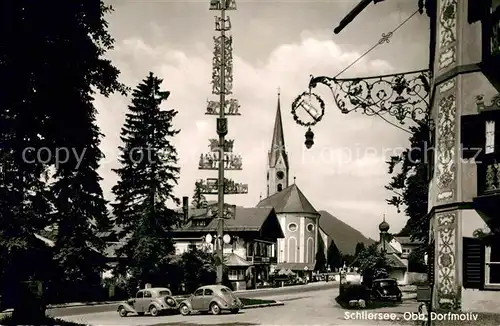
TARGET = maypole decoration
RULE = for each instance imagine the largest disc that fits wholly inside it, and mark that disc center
(221, 156)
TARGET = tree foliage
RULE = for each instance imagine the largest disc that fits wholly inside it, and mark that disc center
(199, 268)
(333, 256)
(199, 200)
(146, 180)
(320, 264)
(51, 77)
(410, 181)
(360, 246)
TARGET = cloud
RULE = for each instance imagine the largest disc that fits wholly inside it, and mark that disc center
(187, 76)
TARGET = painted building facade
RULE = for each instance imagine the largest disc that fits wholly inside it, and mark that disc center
(463, 196)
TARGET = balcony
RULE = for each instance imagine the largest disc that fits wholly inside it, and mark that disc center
(487, 201)
(261, 260)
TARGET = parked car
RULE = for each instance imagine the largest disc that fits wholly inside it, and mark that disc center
(386, 289)
(152, 300)
(211, 298)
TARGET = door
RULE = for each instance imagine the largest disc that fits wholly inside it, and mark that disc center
(208, 295)
(138, 304)
(197, 300)
(146, 301)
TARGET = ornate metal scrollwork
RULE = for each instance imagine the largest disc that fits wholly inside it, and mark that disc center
(210, 161)
(229, 211)
(218, 64)
(304, 102)
(231, 107)
(211, 185)
(403, 96)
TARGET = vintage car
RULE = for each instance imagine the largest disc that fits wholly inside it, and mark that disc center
(211, 298)
(151, 300)
(386, 290)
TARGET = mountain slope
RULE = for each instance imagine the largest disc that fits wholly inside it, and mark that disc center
(344, 235)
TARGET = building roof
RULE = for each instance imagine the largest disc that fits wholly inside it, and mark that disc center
(395, 262)
(389, 249)
(250, 219)
(278, 142)
(289, 200)
(233, 260)
(407, 241)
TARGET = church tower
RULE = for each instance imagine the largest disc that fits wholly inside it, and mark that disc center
(278, 168)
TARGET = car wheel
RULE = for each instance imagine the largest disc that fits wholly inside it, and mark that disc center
(184, 309)
(122, 312)
(154, 311)
(235, 311)
(215, 309)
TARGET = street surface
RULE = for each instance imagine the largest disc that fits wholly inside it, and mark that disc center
(81, 310)
(316, 307)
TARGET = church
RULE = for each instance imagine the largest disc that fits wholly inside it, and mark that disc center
(298, 218)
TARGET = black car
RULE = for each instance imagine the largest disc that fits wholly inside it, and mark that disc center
(386, 290)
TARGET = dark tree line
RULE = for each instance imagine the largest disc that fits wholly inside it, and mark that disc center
(51, 65)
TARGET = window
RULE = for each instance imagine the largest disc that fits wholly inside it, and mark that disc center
(147, 294)
(209, 292)
(492, 266)
(490, 137)
(198, 293)
(280, 187)
(292, 227)
(406, 251)
(310, 227)
(139, 294)
(164, 293)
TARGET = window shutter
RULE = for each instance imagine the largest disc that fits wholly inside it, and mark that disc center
(472, 136)
(473, 263)
(476, 10)
(497, 134)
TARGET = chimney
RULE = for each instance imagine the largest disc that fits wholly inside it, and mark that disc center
(185, 208)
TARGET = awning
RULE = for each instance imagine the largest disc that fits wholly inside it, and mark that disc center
(296, 266)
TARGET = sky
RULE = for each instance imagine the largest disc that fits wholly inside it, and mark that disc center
(277, 44)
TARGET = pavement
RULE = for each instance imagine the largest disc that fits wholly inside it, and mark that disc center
(316, 306)
(83, 308)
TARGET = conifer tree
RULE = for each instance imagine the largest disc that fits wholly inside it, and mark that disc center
(199, 200)
(147, 177)
(49, 104)
(333, 256)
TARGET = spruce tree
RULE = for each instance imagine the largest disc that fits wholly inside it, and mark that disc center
(199, 200)
(147, 177)
(53, 62)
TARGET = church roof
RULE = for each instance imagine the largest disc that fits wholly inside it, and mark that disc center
(289, 200)
(278, 143)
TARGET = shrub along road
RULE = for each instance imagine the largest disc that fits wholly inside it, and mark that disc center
(99, 308)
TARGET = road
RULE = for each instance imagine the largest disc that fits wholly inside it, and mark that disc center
(314, 307)
(81, 310)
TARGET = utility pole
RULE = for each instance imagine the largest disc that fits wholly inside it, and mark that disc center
(221, 155)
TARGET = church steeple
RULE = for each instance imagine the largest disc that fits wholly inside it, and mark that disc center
(277, 174)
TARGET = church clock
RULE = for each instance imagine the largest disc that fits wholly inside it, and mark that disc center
(280, 175)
